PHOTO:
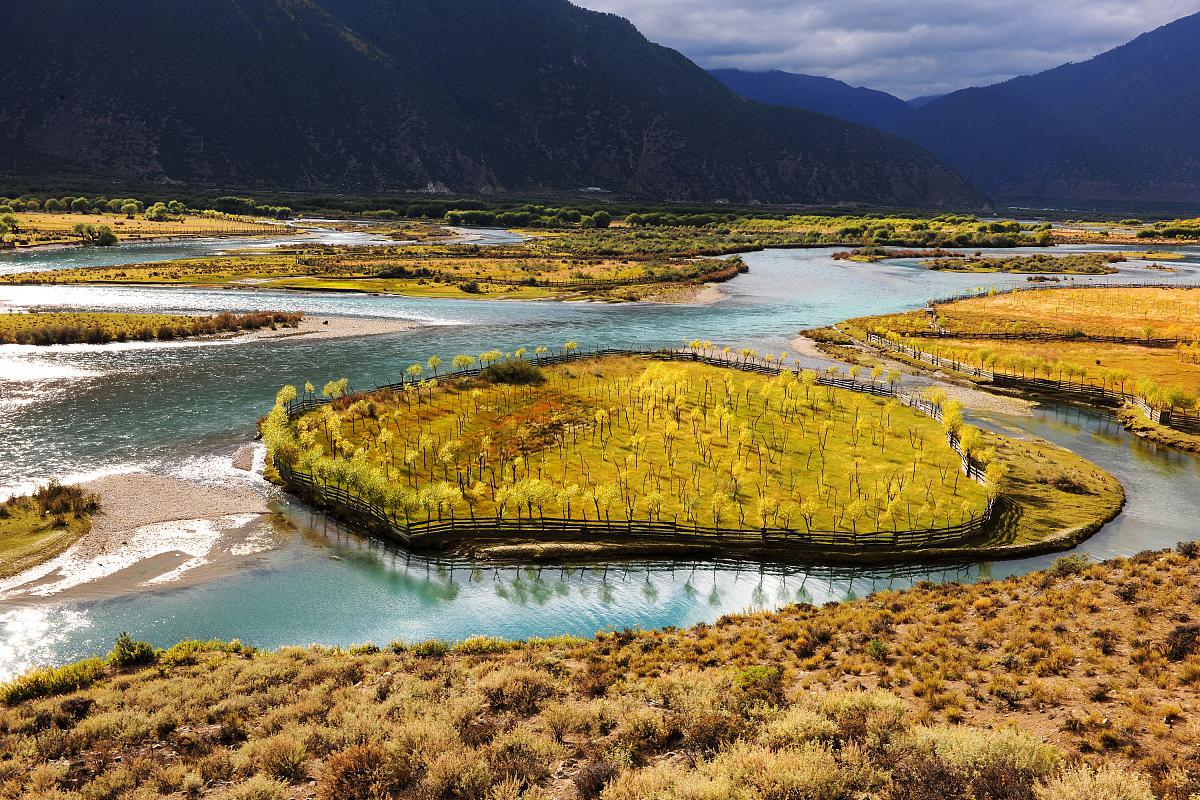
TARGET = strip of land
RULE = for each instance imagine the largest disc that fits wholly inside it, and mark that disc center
(93, 327)
(147, 527)
(1106, 346)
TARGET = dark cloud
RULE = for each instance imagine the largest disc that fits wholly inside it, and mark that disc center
(915, 48)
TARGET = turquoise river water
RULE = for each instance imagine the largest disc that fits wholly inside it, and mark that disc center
(184, 408)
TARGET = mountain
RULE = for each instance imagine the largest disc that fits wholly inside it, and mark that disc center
(822, 95)
(1122, 126)
(923, 100)
(465, 96)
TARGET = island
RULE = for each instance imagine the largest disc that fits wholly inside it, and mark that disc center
(706, 450)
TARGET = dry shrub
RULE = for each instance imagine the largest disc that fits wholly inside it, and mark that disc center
(523, 756)
(760, 685)
(283, 757)
(258, 787)
(592, 777)
(796, 727)
(458, 774)
(1181, 642)
(872, 718)
(516, 689)
(365, 772)
(937, 763)
(1085, 784)
(812, 772)
(571, 717)
(644, 731)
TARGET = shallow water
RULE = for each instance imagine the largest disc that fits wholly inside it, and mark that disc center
(184, 408)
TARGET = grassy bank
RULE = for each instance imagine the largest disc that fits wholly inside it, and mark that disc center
(1134, 312)
(1061, 334)
(1078, 682)
(1037, 264)
(1141, 343)
(40, 228)
(69, 327)
(37, 527)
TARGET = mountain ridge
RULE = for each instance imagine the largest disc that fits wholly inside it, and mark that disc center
(1116, 128)
(465, 96)
(819, 94)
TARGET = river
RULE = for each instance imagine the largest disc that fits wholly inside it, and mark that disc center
(185, 408)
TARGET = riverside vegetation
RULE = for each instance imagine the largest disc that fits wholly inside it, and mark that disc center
(37, 527)
(949, 261)
(106, 222)
(92, 327)
(638, 260)
(619, 439)
(574, 266)
(1077, 682)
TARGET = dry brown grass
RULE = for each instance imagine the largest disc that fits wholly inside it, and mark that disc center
(1004, 690)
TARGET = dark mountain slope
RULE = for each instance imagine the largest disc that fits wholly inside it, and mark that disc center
(1124, 125)
(822, 95)
(454, 95)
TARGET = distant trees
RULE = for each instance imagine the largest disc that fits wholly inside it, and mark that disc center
(99, 235)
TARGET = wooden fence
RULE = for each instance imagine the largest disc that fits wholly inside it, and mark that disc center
(435, 534)
(1153, 342)
(1049, 287)
(1099, 395)
(929, 358)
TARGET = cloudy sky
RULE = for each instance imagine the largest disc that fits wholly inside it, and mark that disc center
(913, 48)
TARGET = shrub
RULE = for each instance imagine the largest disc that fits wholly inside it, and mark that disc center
(284, 757)
(1068, 565)
(258, 787)
(364, 772)
(56, 499)
(189, 650)
(523, 756)
(592, 778)
(432, 648)
(1188, 549)
(458, 774)
(130, 653)
(482, 645)
(514, 373)
(1181, 642)
(1003, 764)
(871, 717)
(516, 689)
(52, 681)
(1084, 784)
(798, 726)
(644, 731)
(760, 684)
